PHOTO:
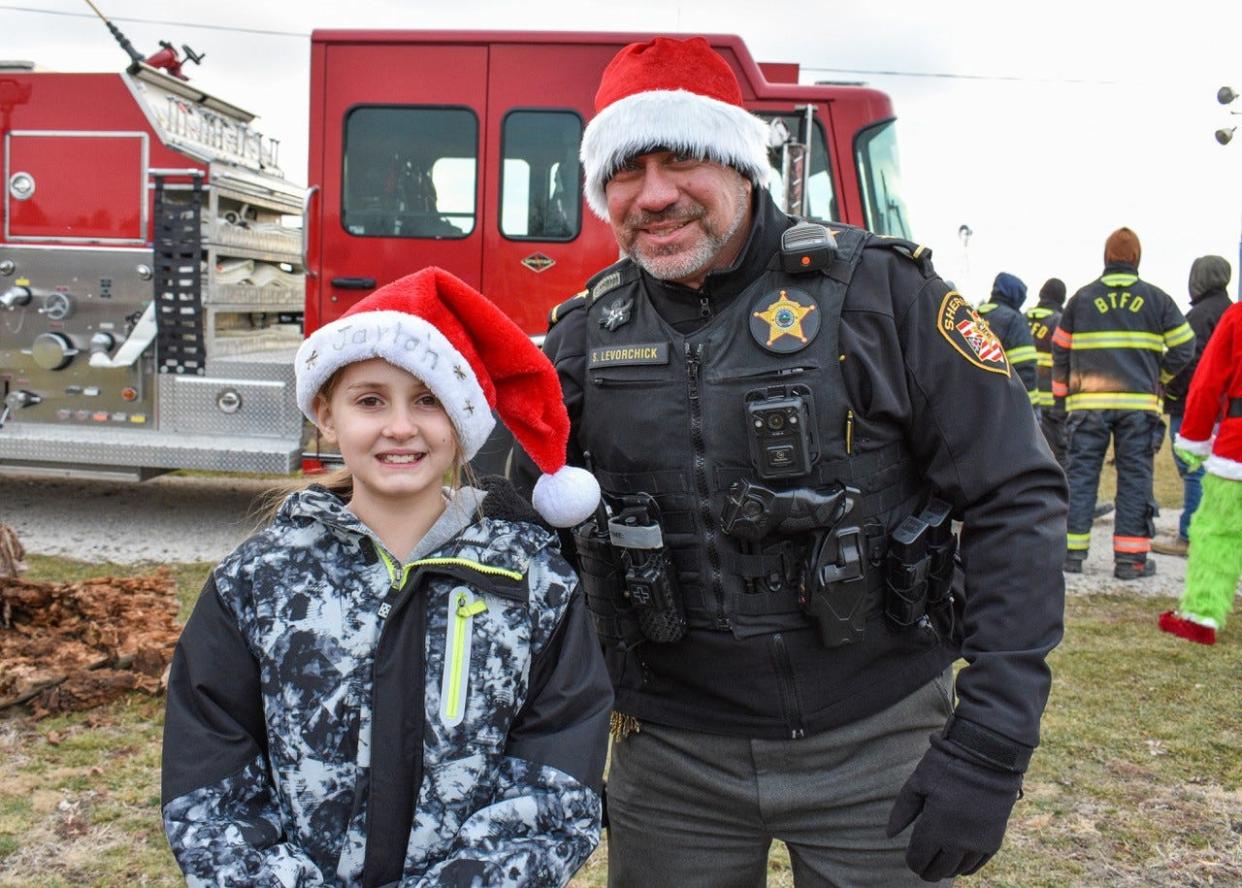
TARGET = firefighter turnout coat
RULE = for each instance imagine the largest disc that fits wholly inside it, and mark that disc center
(1043, 321)
(1003, 312)
(1119, 342)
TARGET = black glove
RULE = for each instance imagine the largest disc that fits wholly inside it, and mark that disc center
(964, 805)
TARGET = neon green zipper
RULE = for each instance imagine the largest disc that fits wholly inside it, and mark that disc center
(463, 607)
(397, 575)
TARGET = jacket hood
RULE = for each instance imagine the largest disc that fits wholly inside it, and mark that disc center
(1208, 274)
(1009, 290)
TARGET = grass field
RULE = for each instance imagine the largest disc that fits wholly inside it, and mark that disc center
(1138, 781)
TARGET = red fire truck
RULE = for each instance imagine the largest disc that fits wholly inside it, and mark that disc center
(461, 149)
(458, 149)
(151, 292)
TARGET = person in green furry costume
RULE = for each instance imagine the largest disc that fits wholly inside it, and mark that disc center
(1211, 435)
(1215, 563)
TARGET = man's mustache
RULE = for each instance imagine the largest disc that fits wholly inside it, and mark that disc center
(675, 213)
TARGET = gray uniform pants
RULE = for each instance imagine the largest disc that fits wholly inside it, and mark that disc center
(690, 810)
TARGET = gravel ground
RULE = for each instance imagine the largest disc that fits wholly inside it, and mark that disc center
(167, 519)
(1097, 576)
(183, 519)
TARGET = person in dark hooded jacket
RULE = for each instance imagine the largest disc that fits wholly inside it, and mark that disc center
(1043, 320)
(1004, 315)
(1209, 275)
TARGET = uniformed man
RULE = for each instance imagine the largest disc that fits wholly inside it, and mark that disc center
(1043, 320)
(763, 418)
(1119, 341)
(1003, 312)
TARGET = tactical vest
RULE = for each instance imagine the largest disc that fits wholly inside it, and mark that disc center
(665, 414)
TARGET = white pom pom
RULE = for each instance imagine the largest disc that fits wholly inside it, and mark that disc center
(566, 498)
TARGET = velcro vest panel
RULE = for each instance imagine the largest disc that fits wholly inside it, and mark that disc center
(653, 426)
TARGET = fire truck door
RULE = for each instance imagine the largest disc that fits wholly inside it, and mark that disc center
(403, 166)
(541, 243)
(76, 186)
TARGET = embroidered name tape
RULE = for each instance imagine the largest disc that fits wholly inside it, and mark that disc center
(629, 355)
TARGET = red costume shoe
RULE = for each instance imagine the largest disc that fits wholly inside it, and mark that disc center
(1190, 630)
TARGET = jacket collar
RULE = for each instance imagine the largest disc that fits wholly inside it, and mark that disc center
(495, 543)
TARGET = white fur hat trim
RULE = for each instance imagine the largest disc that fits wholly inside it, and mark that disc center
(406, 341)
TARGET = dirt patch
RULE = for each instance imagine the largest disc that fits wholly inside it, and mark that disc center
(71, 646)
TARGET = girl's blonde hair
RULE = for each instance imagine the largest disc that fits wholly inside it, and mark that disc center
(340, 482)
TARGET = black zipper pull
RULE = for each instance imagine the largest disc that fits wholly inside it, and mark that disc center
(705, 307)
(693, 354)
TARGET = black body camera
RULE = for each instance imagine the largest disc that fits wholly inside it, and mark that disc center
(780, 423)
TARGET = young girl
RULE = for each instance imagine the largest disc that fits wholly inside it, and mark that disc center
(397, 682)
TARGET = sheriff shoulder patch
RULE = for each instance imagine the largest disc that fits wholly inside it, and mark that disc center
(969, 334)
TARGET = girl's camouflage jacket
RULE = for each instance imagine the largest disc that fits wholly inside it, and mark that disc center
(336, 718)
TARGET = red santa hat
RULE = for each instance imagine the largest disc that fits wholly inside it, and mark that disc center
(678, 95)
(474, 359)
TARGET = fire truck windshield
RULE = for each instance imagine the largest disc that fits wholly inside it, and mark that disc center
(879, 180)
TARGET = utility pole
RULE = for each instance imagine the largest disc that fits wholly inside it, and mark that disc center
(1226, 96)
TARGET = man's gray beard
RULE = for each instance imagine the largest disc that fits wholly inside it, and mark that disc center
(682, 264)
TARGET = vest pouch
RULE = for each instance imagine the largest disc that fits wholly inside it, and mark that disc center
(603, 582)
(646, 566)
(947, 611)
(836, 599)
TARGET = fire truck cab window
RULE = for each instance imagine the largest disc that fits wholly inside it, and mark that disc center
(822, 203)
(879, 178)
(410, 172)
(540, 190)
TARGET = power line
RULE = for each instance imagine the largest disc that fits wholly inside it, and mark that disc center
(952, 76)
(144, 21)
(864, 71)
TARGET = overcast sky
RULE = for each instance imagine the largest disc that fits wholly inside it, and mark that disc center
(1065, 120)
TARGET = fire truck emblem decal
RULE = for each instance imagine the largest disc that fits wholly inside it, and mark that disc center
(538, 262)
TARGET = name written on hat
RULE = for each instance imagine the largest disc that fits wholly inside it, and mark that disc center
(375, 336)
